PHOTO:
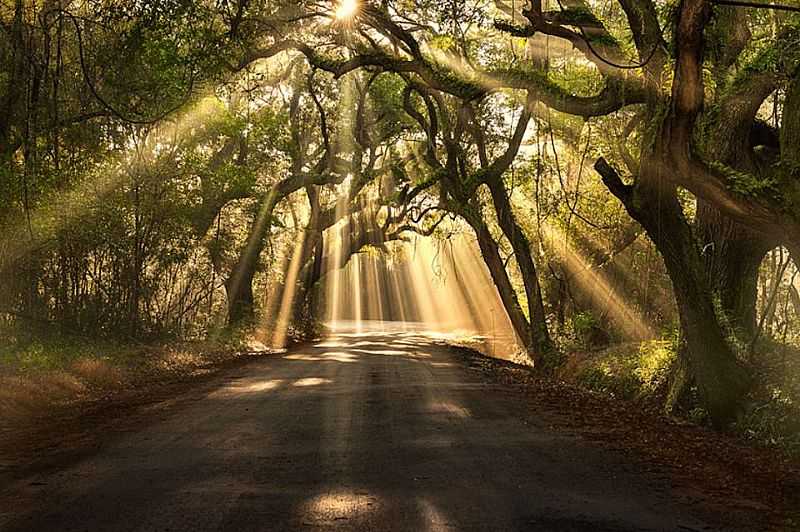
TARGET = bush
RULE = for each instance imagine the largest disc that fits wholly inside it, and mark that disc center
(588, 330)
(772, 416)
(630, 373)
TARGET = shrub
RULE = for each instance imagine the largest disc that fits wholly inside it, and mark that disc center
(630, 373)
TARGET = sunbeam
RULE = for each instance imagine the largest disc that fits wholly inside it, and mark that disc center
(597, 286)
(439, 287)
(288, 297)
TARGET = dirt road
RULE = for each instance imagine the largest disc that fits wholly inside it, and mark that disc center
(372, 431)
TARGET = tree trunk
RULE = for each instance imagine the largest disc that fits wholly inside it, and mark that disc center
(315, 249)
(304, 311)
(733, 256)
(311, 288)
(240, 296)
(653, 202)
(239, 285)
(497, 269)
(540, 339)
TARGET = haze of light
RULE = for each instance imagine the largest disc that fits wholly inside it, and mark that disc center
(346, 9)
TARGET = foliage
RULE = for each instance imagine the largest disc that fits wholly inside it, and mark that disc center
(747, 184)
(772, 415)
(154, 154)
(633, 372)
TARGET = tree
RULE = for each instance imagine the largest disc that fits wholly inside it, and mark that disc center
(668, 157)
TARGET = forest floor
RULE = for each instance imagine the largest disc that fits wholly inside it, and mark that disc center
(389, 431)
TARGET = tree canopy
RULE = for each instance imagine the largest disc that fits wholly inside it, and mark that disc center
(623, 168)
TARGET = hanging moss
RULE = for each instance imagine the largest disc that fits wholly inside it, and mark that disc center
(747, 184)
(517, 30)
(781, 56)
(456, 84)
(578, 16)
(430, 179)
(327, 63)
(525, 77)
(602, 39)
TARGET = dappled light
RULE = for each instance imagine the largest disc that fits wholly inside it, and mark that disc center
(399, 265)
(332, 356)
(311, 381)
(435, 520)
(329, 508)
(449, 409)
(262, 386)
(250, 387)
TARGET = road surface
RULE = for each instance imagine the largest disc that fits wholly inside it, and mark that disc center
(363, 431)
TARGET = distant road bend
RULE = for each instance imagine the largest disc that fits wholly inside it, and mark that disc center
(378, 431)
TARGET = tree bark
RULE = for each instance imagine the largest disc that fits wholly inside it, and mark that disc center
(733, 256)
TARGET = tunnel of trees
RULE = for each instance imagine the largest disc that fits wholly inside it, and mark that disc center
(623, 173)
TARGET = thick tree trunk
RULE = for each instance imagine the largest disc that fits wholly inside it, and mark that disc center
(540, 339)
(720, 378)
(654, 204)
(722, 382)
(733, 256)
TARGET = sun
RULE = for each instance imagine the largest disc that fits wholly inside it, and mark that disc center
(346, 9)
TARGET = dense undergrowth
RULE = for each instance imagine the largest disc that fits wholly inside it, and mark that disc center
(772, 415)
(642, 372)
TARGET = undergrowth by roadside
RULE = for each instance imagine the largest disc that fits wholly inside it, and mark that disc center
(42, 374)
(641, 372)
(628, 371)
(772, 416)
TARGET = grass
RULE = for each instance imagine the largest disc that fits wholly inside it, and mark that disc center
(39, 375)
(59, 353)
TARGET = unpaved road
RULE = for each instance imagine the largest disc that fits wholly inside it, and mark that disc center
(373, 431)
